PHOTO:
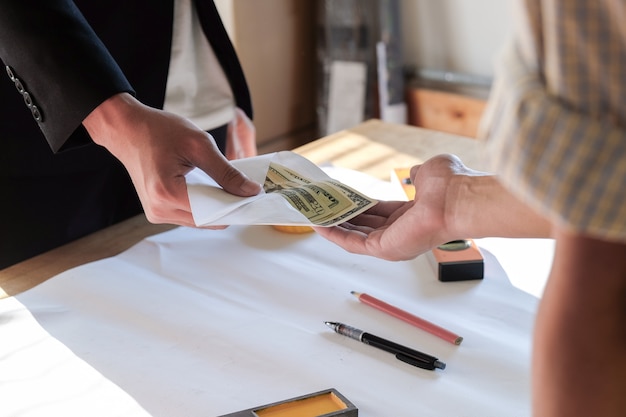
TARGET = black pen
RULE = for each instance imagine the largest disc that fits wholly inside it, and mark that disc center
(403, 353)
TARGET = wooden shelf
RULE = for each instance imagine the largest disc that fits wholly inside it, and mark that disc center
(444, 111)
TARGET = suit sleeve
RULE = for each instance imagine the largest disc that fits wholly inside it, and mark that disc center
(57, 63)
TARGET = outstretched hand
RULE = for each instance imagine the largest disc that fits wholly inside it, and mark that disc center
(400, 230)
(158, 149)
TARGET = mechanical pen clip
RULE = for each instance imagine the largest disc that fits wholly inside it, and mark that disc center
(420, 363)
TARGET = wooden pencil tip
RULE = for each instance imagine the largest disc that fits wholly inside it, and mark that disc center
(356, 294)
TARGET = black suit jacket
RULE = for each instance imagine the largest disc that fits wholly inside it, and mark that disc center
(63, 59)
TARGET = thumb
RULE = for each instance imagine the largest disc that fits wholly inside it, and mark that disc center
(228, 177)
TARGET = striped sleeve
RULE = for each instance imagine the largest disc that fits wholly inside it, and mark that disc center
(555, 120)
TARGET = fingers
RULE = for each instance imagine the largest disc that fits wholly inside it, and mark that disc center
(175, 207)
(350, 239)
(166, 201)
(168, 216)
(241, 137)
(362, 240)
(387, 208)
(224, 173)
(163, 191)
(233, 180)
(413, 173)
(353, 235)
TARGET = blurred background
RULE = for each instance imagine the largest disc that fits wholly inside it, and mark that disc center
(318, 66)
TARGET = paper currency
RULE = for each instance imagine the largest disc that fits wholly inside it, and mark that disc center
(322, 202)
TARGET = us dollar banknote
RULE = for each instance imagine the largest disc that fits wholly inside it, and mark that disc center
(324, 203)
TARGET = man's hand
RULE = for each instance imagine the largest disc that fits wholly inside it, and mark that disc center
(158, 149)
(451, 202)
(241, 137)
(400, 230)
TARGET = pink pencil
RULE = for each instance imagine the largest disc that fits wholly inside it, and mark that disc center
(408, 317)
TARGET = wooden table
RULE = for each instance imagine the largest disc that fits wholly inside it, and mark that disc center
(373, 147)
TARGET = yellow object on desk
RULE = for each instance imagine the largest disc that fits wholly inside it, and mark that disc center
(402, 176)
(325, 403)
(293, 229)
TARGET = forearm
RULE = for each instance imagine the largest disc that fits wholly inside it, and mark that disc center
(479, 206)
(579, 366)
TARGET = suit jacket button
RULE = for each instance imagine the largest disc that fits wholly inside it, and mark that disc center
(36, 113)
(10, 73)
(19, 86)
(27, 99)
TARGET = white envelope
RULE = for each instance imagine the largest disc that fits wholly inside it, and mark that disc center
(211, 205)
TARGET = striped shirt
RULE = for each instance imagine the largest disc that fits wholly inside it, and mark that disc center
(556, 120)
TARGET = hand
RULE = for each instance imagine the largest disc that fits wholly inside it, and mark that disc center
(241, 137)
(399, 230)
(451, 202)
(158, 149)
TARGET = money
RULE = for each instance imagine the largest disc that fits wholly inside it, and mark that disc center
(324, 203)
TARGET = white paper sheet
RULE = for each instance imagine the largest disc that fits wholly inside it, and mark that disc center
(204, 323)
